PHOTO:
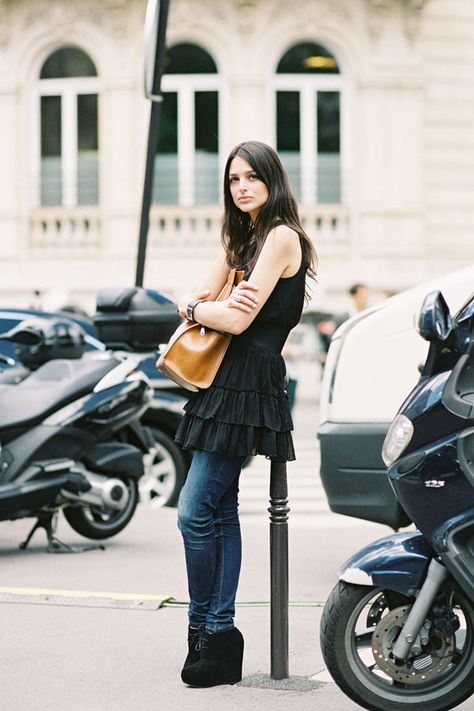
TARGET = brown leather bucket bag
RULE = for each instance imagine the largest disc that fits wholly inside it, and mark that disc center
(194, 353)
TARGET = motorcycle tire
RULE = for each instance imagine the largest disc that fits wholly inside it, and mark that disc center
(99, 524)
(167, 474)
(353, 626)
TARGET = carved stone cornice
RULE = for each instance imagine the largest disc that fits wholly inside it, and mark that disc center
(60, 15)
(415, 4)
(182, 17)
(376, 15)
(411, 13)
(250, 18)
(412, 10)
(3, 24)
(245, 12)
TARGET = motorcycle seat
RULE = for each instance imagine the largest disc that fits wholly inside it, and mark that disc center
(53, 385)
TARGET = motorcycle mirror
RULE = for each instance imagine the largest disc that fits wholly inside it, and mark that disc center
(24, 335)
(435, 323)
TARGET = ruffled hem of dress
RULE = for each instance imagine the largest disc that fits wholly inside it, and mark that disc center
(244, 440)
(243, 407)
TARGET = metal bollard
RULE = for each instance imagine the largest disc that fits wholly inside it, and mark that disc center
(279, 511)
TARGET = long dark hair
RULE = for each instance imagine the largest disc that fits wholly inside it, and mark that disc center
(243, 240)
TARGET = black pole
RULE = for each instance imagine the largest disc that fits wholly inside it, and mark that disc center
(157, 20)
(155, 110)
(279, 511)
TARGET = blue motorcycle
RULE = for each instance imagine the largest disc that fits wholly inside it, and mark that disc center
(397, 631)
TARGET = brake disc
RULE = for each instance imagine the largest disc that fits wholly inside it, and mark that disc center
(433, 659)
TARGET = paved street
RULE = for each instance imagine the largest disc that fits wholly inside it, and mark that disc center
(105, 644)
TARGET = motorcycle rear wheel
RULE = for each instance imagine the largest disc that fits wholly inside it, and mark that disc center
(349, 621)
(98, 523)
(164, 478)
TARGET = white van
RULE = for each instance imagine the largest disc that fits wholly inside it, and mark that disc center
(372, 365)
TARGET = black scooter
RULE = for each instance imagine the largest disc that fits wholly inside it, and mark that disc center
(165, 463)
(71, 436)
(397, 631)
(59, 430)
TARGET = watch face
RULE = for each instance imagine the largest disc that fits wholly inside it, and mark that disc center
(190, 310)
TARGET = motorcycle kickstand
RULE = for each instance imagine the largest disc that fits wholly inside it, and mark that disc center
(48, 521)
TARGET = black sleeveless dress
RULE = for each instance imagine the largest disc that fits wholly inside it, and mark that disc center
(245, 411)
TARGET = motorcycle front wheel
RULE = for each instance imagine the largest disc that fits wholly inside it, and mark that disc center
(358, 628)
(98, 523)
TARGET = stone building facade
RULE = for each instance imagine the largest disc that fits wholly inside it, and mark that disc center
(370, 103)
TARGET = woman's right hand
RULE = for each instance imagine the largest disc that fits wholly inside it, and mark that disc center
(243, 297)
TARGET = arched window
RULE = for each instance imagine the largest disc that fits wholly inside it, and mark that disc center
(308, 122)
(187, 162)
(67, 153)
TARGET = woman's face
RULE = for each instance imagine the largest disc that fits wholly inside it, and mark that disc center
(249, 193)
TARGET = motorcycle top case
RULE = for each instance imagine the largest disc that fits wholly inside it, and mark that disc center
(134, 318)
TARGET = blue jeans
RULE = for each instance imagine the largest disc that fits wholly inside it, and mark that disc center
(209, 523)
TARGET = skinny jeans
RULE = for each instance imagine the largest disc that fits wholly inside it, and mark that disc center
(209, 523)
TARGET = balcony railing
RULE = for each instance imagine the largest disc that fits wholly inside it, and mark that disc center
(174, 227)
(328, 226)
(57, 230)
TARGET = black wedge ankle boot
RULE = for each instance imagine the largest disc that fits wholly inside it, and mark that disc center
(220, 660)
(194, 637)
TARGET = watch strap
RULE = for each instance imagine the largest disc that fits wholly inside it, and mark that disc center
(190, 308)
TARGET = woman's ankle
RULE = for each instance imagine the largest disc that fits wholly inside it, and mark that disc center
(216, 629)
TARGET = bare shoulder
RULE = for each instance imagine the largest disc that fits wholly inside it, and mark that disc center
(284, 239)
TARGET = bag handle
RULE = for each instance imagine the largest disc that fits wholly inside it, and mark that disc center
(237, 276)
(234, 277)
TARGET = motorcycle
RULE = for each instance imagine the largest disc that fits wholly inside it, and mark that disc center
(72, 440)
(165, 463)
(397, 631)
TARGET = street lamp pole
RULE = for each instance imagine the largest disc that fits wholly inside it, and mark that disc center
(155, 110)
(156, 21)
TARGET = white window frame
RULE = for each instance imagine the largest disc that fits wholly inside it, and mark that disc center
(308, 85)
(68, 89)
(185, 86)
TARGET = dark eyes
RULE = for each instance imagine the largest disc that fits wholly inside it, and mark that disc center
(235, 179)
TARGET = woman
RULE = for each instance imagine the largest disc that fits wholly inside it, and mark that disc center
(245, 411)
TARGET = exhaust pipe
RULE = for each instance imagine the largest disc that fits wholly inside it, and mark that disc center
(105, 492)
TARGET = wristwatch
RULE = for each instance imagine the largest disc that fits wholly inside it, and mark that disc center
(190, 308)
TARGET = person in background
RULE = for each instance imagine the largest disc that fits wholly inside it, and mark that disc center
(359, 300)
(359, 294)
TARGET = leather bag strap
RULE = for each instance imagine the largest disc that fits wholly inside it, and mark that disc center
(233, 278)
